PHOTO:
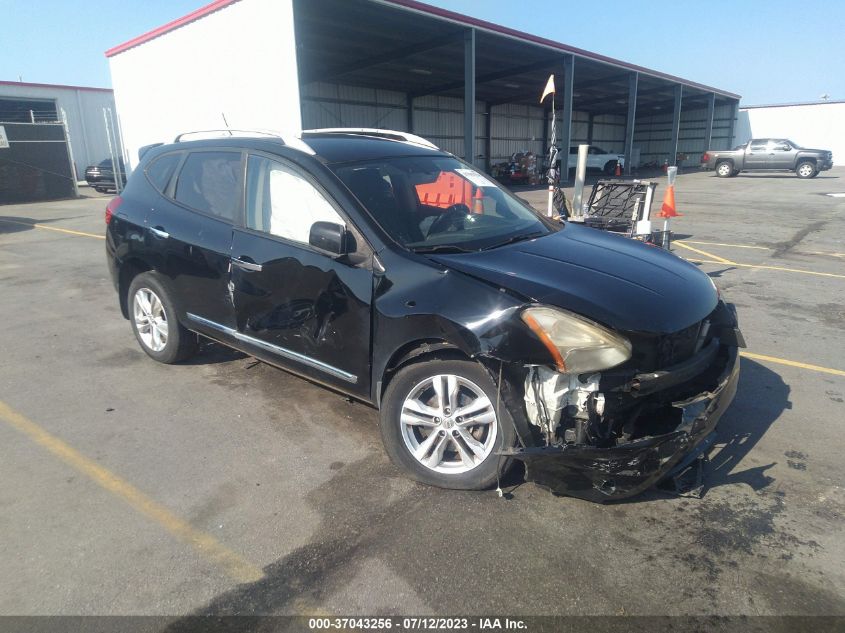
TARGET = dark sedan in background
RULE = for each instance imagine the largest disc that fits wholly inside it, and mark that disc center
(101, 176)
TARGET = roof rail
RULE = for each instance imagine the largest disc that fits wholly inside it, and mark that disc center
(378, 133)
(291, 141)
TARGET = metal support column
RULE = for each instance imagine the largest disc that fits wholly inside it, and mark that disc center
(409, 105)
(676, 125)
(633, 81)
(732, 129)
(590, 127)
(488, 136)
(708, 123)
(566, 117)
(469, 95)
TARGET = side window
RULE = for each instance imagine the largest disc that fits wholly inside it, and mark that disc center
(281, 202)
(211, 182)
(161, 170)
(759, 145)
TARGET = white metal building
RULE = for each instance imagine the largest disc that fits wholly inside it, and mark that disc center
(400, 64)
(819, 125)
(22, 102)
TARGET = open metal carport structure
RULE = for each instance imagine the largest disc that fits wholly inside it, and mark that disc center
(470, 86)
(425, 67)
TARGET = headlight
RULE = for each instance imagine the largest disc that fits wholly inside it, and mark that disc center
(576, 344)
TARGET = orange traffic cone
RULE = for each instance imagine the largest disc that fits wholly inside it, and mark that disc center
(618, 169)
(668, 209)
(478, 202)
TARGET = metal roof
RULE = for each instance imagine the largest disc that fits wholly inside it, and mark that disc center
(59, 86)
(408, 46)
(792, 105)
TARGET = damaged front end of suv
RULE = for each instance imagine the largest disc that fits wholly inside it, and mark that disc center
(615, 414)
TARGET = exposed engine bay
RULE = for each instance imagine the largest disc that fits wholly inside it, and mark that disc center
(611, 434)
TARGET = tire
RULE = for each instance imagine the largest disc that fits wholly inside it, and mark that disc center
(411, 414)
(153, 318)
(806, 169)
(610, 168)
(725, 169)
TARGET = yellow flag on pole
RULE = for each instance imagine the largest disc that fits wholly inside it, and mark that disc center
(550, 88)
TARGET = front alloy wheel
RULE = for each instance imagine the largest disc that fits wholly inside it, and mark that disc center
(448, 424)
(443, 423)
(806, 170)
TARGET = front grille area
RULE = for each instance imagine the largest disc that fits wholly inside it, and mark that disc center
(677, 347)
(652, 353)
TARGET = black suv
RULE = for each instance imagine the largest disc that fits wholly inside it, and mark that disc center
(389, 270)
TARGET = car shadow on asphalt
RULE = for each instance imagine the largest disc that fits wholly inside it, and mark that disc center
(761, 397)
(212, 352)
(785, 175)
(15, 224)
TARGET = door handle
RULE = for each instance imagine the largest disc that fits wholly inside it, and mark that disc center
(159, 233)
(237, 261)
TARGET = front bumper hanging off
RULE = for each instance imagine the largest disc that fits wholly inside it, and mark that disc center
(606, 474)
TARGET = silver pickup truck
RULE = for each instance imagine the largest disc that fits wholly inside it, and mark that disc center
(776, 154)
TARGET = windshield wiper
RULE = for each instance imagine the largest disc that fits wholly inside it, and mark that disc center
(515, 238)
(441, 248)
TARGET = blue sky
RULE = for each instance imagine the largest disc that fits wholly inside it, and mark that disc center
(769, 51)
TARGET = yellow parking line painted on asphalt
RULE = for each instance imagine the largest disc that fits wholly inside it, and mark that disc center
(820, 253)
(757, 266)
(721, 260)
(209, 547)
(760, 248)
(54, 228)
(792, 363)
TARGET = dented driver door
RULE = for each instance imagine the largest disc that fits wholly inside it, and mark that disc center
(294, 305)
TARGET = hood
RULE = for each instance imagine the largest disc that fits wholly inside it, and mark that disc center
(613, 280)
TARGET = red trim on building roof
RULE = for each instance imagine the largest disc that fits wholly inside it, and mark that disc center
(170, 26)
(63, 86)
(441, 13)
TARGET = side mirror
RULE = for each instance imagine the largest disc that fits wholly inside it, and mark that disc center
(785, 148)
(330, 238)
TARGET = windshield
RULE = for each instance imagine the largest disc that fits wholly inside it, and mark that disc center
(438, 203)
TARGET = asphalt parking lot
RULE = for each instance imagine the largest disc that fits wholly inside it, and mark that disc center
(226, 486)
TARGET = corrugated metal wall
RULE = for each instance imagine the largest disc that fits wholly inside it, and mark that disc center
(514, 128)
(334, 105)
(653, 134)
(84, 109)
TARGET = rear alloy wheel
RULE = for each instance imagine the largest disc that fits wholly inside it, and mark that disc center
(610, 168)
(439, 423)
(725, 170)
(154, 322)
(150, 319)
(806, 169)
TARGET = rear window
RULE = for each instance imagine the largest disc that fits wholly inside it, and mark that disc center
(210, 182)
(161, 170)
